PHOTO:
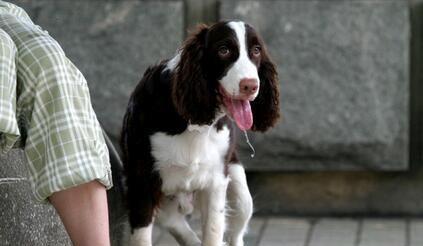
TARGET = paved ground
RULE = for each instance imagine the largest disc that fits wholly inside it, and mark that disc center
(325, 232)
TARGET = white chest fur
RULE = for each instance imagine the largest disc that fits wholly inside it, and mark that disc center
(191, 160)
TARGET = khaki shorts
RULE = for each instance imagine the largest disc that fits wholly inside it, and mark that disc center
(45, 108)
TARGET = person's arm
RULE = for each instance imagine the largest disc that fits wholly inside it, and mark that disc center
(83, 210)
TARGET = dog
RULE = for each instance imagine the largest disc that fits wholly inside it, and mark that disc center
(178, 138)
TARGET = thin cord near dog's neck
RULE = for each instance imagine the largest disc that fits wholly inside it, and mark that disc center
(249, 144)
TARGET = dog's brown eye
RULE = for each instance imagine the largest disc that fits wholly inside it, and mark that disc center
(256, 50)
(224, 51)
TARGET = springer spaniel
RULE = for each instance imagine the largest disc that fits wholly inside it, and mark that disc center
(178, 136)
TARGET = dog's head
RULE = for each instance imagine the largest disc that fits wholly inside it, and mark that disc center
(226, 67)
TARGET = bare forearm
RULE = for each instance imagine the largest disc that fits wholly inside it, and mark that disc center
(83, 210)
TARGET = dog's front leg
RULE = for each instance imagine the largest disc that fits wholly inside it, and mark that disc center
(214, 213)
(240, 205)
(141, 236)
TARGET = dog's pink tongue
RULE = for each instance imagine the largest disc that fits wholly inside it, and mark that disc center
(241, 112)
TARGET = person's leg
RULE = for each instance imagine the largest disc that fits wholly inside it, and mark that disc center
(83, 210)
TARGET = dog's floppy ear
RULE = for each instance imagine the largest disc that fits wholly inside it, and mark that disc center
(195, 99)
(266, 106)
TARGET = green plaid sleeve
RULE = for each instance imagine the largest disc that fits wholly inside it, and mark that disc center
(9, 131)
(62, 138)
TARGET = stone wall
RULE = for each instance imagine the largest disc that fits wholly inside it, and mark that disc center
(23, 220)
(344, 78)
(343, 66)
(112, 43)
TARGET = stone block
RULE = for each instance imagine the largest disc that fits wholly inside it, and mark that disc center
(25, 221)
(416, 227)
(384, 232)
(337, 193)
(344, 78)
(334, 232)
(285, 231)
(112, 43)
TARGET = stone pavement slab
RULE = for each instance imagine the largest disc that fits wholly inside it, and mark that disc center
(286, 231)
(377, 232)
(416, 232)
(334, 232)
(255, 231)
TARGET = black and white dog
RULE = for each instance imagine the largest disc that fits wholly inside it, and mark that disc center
(177, 136)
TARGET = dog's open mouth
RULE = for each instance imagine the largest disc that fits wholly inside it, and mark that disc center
(239, 110)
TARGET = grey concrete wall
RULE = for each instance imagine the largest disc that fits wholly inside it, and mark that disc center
(112, 43)
(344, 74)
(344, 79)
(357, 193)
